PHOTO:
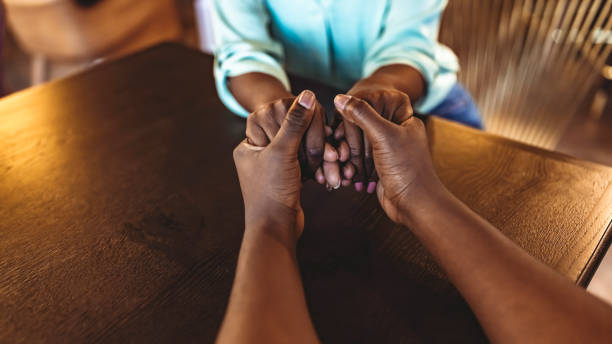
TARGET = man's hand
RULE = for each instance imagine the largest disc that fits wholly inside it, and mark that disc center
(392, 105)
(400, 153)
(270, 176)
(319, 160)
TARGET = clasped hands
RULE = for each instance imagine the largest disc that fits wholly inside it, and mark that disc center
(338, 156)
(283, 145)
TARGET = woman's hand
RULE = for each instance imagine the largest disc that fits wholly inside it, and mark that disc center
(400, 153)
(392, 105)
(270, 176)
(318, 158)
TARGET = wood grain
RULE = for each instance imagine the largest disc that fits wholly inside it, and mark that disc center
(122, 216)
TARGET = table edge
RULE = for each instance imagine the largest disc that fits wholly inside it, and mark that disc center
(527, 147)
(104, 64)
(589, 270)
(585, 275)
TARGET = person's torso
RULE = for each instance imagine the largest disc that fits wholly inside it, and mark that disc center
(327, 40)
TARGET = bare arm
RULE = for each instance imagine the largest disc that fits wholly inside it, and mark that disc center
(397, 77)
(515, 297)
(253, 90)
(267, 303)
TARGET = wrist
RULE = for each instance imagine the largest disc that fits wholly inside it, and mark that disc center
(431, 195)
(280, 224)
(402, 78)
(265, 99)
(369, 83)
(268, 87)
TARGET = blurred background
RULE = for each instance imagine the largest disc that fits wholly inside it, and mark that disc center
(540, 70)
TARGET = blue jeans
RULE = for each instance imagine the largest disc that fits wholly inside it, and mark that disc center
(459, 106)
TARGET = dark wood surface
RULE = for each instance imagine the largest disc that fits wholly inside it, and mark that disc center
(121, 217)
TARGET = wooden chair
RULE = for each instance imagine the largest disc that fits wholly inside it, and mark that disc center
(530, 64)
(67, 34)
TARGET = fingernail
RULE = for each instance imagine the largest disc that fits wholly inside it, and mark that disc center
(320, 179)
(306, 99)
(359, 186)
(371, 187)
(338, 186)
(341, 100)
(330, 154)
(346, 182)
(328, 131)
(348, 173)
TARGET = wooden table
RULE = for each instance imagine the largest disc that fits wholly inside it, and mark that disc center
(121, 216)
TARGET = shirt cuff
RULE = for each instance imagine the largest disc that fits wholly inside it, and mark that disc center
(235, 67)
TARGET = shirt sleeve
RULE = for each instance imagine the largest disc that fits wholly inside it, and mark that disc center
(409, 36)
(244, 45)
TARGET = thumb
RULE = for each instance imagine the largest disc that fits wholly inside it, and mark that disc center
(363, 115)
(296, 122)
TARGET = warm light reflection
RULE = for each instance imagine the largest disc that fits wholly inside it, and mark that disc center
(607, 72)
(32, 130)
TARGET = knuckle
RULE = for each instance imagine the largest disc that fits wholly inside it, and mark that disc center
(251, 126)
(269, 111)
(417, 123)
(252, 119)
(379, 97)
(405, 100)
(413, 124)
(256, 118)
(269, 122)
(237, 153)
(279, 106)
(315, 151)
(262, 110)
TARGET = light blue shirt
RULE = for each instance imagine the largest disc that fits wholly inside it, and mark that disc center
(337, 42)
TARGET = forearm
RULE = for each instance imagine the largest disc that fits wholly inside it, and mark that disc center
(399, 77)
(267, 303)
(515, 297)
(253, 90)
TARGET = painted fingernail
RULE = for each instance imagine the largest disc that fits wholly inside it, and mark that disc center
(328, 131)
(346, 182)
(371, 187)
(359, 186)
(306, 99)
(341, 101)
